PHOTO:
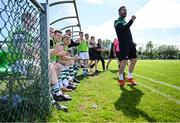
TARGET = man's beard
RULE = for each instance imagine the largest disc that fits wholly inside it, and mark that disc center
(123, 15)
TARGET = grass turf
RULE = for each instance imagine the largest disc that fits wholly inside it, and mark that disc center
(100, 99)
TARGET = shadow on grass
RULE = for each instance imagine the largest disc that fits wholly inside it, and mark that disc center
(113, 71)
(128, 101)
(80, 77)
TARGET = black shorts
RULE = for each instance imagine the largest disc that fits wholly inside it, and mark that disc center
(111, 55)
(92, 54)
(117, 54)
(127, 52)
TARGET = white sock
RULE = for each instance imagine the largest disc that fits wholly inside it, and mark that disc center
(60, 84)
(58, 93)
(70, 78)
(55, 89)
(65, 83)
(129, 75)
(121, 77)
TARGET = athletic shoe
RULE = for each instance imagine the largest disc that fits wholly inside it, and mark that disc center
(131, 80)
(82, 66)
(76, 80)
(61, 97)
(71, 87)
(97, 71)
(64, 89)
(92, 65)
(84, 74)
(121, 82)
(73, 84)
(60, 107)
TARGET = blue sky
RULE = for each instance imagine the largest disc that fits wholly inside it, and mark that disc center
(157, 20)
(149, 25)
(102, 11)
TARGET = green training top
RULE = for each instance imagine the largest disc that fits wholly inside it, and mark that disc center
(53, 57)
(83, 46)
(19, 44)
(66, 48)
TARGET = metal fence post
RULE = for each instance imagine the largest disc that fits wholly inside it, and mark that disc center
(44, 40)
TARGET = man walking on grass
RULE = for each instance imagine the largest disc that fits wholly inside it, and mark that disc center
(127, 46)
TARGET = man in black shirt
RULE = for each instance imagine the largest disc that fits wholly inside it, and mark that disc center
(51, 32)
(127, 46)
(99, 53)
(72, 43)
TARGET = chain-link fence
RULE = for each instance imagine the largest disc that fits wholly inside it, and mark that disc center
(24, 89)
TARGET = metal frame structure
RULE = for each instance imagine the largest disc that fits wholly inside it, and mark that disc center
(39, 6)
(67, 17)
(77, 31)
(70, 26)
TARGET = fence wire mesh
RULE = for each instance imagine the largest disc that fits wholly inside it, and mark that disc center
(24, 89)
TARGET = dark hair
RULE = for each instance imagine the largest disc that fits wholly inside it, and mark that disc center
(86, 34)
(99, 39)
(57, 31)
(51, 28)
(121, 8)
(68, 30)
(92, 37)
(64, 36)
(80, 32)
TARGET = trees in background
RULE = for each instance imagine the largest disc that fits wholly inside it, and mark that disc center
(106, 44)
(161, 52)
(150, 51)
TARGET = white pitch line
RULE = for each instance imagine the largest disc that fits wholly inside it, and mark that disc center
(155, 81)
(160, 93)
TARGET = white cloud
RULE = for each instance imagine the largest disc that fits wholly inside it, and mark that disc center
(155, 15)
(158, 14)
(60, 12)
(95, 1)
(104, 31)
(171, 40)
